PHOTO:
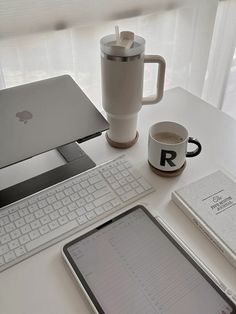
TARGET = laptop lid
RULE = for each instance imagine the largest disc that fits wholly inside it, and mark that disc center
(43, 115)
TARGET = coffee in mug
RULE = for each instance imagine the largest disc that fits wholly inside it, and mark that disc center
(167, 137)
(167, 147)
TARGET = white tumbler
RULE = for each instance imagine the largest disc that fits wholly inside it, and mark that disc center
(122, 72)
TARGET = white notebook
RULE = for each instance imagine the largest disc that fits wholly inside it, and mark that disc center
(211, 204)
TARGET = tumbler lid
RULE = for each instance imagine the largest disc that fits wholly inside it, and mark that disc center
(124, 44)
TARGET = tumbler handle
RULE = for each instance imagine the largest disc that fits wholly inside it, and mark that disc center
(160, 79)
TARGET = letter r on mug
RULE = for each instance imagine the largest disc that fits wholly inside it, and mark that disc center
(167, 156)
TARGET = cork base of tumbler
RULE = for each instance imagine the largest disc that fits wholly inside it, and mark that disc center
(122, 145)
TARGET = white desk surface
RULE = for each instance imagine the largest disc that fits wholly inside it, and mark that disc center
(42, 284)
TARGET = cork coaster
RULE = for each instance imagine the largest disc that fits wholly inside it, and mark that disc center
(174, 173)
(122, 145)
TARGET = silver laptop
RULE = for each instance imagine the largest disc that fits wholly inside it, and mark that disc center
(43, 115)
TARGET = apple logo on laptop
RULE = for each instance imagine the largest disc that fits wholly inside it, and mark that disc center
(24, 116)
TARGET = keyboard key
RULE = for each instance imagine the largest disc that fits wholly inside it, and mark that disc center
(74, 197)
(89, 207)
(101, 192)
(9, 256)
(33, 208)
(35, 224)
(122, 181)
(57, 205)
(10, 227)
(60, 195)
(127, 188)
(111, 180)
(116, 202)
(72, 207)
(53, 225)
(51, 199)
(129, 178)
(77, 187)
(118, 176)
(89, 198)
(13, 244)
(29, 218)
(63, 211)
(115, 185)
(108, 206)
(2, 231)
(23, 205)
(144, 184)
(66, 201)
(24, 239)
(34, 234)
(83, 193)
(69, 191)
(4, 221)
(102, 200)
(25, 229)
(23, 212)
(3, 249)
(15, 234)
(99, 210)
(44, 229)
(48, 209)
(100, 185)
(54, 215)
(120, 191)
(42, 204)
(50, 236)
(4, 239)
(81, 202)
(91, 215)
(140, 190)
(20, 251)
(45, 219)
(84, 184)
(19, 223)
(63, 220)
(106, 174)
(95, 179)
(127, 196)
(72, 216)
(80, 211)
(82, 220)
(134, 184)
(91, 189)
(39, 213)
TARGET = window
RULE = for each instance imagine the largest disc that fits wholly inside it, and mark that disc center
(41, 39)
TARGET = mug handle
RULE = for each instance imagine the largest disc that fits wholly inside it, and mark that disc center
(197, 151)
(160, 79)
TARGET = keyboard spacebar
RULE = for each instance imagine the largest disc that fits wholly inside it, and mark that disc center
(50, 236)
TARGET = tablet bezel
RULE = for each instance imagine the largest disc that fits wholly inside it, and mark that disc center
(84, 285)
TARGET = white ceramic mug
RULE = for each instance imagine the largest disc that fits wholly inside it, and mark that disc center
(122, 69)
(167, 146)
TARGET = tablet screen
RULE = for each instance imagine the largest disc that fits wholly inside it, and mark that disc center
(131, 266)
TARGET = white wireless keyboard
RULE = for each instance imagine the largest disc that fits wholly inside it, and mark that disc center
(42, 219)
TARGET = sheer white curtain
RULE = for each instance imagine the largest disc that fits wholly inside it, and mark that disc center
(220, 83)
(41, 39)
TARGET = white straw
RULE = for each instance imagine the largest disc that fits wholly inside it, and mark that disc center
(117, 32)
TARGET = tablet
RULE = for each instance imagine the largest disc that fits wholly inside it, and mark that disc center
(132, 265)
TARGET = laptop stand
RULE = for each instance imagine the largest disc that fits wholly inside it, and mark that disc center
(77, 161)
